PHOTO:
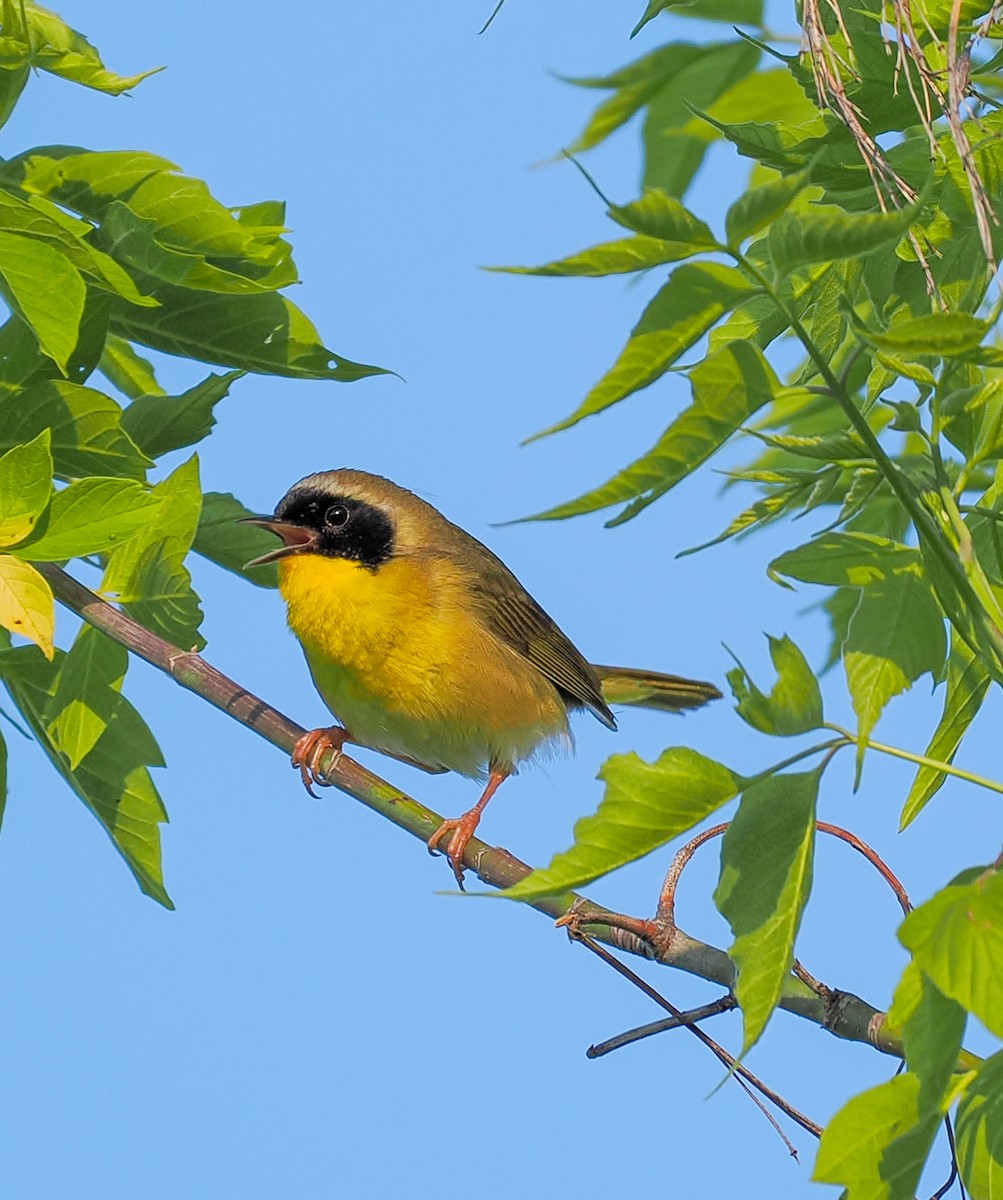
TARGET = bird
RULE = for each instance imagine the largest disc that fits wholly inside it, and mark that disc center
(426, 647)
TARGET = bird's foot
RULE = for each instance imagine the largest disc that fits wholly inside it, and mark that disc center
(311, 748)
(460, 830)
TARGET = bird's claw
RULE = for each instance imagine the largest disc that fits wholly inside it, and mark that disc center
(311, 748)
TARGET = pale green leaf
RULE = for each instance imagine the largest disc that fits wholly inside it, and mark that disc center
(827, 233)
(756, 208)
(91, 516)
(132, 374)
(148, 573)
(611, 258)
(766, 872)
(944, 333)
(659, 215)
(87, 694)
(645, 805)
(62, 51)
(854, 559)
(967, 684)
(25, 487)
(794, 704)
(45, 290)
(956, 937)
(980, 1132)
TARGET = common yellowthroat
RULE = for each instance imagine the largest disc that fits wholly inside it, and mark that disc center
(426, 646)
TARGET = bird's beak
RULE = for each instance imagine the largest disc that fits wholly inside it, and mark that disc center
(294, 539)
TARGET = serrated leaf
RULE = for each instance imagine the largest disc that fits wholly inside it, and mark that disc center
(112, 779)
(756, 208)
(794, 704)
(160, 424)
(611, 258)
(659, 215)
(896, 635)
(26, 604)
(85, 425)
(148, 574)
(796, 239)
(979, 1132)
(956, 937)
(230, 545)
(91, 516)
(645, 805)
(25, 487)
(695, 297)
(45, 290)
(766, 871)
(967, 684)
(877, 1144)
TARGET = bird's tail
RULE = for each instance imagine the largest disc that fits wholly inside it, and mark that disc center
(652, 689)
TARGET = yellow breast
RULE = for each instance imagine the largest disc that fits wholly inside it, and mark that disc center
(404, 664)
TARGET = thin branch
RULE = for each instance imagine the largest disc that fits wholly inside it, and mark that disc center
(856, 1020)
(728, 1060)
(691, 1016)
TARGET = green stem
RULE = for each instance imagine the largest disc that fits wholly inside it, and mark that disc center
(935, 764)
(831, 746)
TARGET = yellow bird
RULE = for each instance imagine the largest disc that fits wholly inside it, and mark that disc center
(425, 645)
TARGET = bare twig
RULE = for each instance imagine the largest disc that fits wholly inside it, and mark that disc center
(691, 1016)
(872, 856)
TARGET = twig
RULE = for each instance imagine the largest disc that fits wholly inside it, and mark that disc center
(719, 1051)
(722, 1004)
(857, 1020)
(875, 859)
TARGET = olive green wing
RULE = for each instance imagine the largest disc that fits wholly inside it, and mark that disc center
(511, 614)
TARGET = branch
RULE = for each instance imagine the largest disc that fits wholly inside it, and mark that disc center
(853, 1019)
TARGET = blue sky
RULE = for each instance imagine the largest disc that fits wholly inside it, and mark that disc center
(315, 1019)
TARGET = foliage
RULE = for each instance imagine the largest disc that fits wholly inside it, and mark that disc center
(870, 266)
(871, 270)
(102, 252)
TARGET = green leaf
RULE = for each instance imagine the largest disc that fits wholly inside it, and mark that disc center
(793, 706)
(220, 539)
(611, 258)
(756, 208)
(877, 1144)
(896, 634)
(945, 334)
(159, 424)
(25, 487)
(91, 516)
(62, 51)
(132, 374)
(766, 869)
(933, 1035)
(967, 684)
(645, 806)
(820, 235)
(86, 429)
(266, 334)
(956, 937)
(26, 604)
(728, 387)
(45, 290)
(659, 215)
(148, 573)
(980, 1132)
(112, 779)
(695, 297)
(848, 560)
(87, 694)
(734, 12)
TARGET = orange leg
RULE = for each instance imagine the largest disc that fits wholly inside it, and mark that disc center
(311, 748)
(462, 828)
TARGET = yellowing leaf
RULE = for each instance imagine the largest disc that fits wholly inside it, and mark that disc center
(26, 604)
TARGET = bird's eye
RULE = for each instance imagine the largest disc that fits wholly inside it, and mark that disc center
(336, 516)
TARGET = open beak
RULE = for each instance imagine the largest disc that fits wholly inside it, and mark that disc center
(294, 539)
